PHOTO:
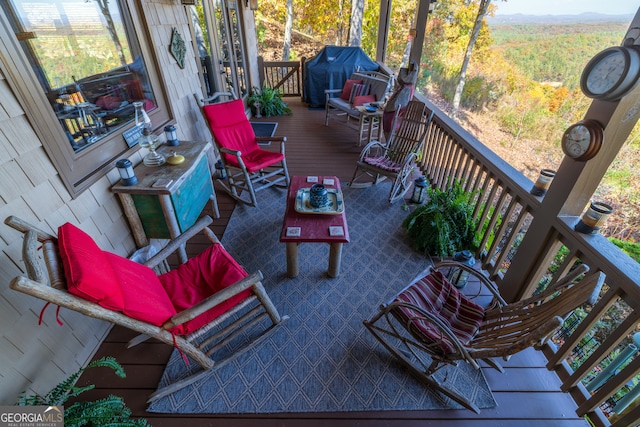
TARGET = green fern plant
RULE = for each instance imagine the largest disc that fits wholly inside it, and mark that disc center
(271, 103)
(109, 411)
(444, 224)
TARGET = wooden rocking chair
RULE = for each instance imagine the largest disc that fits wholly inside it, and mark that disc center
(199, 307)
(394, 160)
(430, 324)
(249, 168)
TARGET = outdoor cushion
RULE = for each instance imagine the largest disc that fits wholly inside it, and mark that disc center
(364, 99)
(348, 86)
(232, 130)
(382, 162)
(111, 281)
(200, 277)
(436, 295)
(144, 297)
(87, 269)
(358, 90)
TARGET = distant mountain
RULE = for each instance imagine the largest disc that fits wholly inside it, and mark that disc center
(587, 17)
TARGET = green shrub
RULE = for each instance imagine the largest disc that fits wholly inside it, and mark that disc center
(109, 411)
(444, 224)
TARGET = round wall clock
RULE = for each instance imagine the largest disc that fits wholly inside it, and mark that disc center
(582, 140)
(612, 73)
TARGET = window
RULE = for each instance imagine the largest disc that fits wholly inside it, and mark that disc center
(87, 59)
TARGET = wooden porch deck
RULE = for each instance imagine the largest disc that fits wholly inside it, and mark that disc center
(527, 394)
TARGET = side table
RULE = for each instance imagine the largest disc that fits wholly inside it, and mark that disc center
(370, 121)
(168, 199)
(313, 228)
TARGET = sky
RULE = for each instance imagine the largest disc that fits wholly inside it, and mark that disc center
(565, 7)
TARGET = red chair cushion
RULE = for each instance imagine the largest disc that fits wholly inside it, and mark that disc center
(436, 295)
(199, 278)
(111, 281)
(144, 297)
(348, 85)
(364, 99)
(232, 130)
(87, 269)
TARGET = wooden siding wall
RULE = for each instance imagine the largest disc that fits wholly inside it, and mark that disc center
(33, 357)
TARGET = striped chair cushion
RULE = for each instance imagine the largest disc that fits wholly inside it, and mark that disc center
(358, 90)
(435, 294)
(383, 163)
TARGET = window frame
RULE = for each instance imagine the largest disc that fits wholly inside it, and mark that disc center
(79, 170)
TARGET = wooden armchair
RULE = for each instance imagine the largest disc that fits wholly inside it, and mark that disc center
(430, 324)
(199, 307)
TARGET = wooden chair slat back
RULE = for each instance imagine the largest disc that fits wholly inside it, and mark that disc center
(411, 132)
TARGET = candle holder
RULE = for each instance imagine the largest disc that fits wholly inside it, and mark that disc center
(127, 175)
(543, 182)
(593, 218)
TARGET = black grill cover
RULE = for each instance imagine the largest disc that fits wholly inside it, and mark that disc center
(330, 68)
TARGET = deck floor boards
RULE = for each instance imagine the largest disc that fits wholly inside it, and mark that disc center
(527, 394)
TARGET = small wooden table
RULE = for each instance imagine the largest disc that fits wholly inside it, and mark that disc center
(313, 228)
(165, 210)
(370, 121)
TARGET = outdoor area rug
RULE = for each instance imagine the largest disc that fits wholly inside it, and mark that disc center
(322, 359)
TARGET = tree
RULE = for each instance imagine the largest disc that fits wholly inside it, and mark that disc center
(355, 29)
(288, 29)
(482, 12)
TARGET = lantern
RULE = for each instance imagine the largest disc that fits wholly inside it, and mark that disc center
(127, 175)
(220, 172)
(419, 190)
(172, 137)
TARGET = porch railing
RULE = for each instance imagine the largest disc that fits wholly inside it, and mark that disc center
(506, 210)
(285, 76)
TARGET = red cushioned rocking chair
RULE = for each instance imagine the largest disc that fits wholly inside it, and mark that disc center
(198, 307)
(431, 324)
(249, 168)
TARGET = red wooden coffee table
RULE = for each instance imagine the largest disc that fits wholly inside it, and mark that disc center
(312, 227)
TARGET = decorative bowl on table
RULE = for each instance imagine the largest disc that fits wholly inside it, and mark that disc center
(333, 206)
(370, 108)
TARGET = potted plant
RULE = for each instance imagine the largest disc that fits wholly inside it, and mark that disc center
(444, 224)
(108, 411)
(267, 102)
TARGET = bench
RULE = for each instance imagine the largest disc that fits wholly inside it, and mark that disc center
(343, 110)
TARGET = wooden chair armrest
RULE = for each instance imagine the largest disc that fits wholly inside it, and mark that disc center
(332, 91)
(174, 244)
(215, 299)
(229, 151)
(370, 146)
(22, 226)
(271, 138)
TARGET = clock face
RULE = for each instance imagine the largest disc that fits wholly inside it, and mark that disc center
(582, 141)
(612, 73)
(606, 73)
(576, 141)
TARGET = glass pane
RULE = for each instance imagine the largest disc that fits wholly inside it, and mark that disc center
(88, 61)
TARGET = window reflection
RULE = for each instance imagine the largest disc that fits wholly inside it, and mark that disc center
(88, 62)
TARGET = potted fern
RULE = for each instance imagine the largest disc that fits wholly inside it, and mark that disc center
(444, 224)
(267, 102)
(108, 411)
